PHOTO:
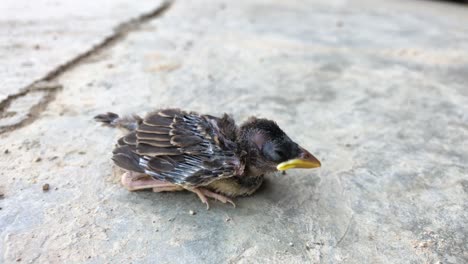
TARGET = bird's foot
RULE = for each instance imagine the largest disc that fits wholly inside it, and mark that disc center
(172, 188)
(204, 193)
(218, 197)
(135, 181)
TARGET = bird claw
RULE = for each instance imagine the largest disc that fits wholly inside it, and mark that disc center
(218, 197)
(233, 204)
(203, 193)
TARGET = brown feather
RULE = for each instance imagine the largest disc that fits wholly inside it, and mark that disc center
(193, 150)
(160, 164)
(157, 120)
(121, 142)
(174, 159)
(180, 132)
(126, 158)
(185, 141)
(145, 149)
(130, 139)
(170, 112)
(151, 136)
(153, 129)
(162, 144)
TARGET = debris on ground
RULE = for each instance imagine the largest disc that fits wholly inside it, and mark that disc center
(45, 187)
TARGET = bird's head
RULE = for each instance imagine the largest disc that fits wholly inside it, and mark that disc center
(270, 149)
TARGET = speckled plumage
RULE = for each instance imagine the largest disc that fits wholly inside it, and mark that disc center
(185, 149)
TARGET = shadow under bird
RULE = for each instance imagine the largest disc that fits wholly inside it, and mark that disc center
(173, 150)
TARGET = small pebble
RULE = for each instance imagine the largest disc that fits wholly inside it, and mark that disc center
(45, 187)
(192, 212)
(291, 244)
(39, 159)
(6, 151)
(227, 219)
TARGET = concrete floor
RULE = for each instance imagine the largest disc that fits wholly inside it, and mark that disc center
(376, 89)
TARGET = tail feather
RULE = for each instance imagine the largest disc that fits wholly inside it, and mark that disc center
(111, 119)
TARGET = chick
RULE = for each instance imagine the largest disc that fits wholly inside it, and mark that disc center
(173, 150)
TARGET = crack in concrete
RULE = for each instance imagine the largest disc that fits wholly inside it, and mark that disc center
(12, 118)
(346, 231)
(50, 88)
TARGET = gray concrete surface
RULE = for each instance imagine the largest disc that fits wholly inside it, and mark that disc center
(38, 36)
(377, 90)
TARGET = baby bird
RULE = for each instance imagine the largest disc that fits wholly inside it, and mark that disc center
(173, 150)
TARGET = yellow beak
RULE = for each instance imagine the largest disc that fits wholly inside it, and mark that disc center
(304, 161)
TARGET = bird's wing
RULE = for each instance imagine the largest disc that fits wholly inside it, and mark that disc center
(179, 147)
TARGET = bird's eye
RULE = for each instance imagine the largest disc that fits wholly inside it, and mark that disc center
(270, 151)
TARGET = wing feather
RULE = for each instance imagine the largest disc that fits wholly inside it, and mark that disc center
(153, 136)
(178, 147)
(185, 141)
(153, 129)
(157, 120)
(148, 150)
(162, 144)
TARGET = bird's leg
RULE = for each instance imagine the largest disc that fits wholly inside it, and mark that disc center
(203, 193)
(134, 181)
(172, 188)
(217, 196)
(201, 196)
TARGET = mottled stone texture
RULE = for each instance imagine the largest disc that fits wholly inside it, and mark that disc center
(38, 36)
(377, 90)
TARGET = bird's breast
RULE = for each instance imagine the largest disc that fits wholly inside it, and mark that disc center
(237, 185)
